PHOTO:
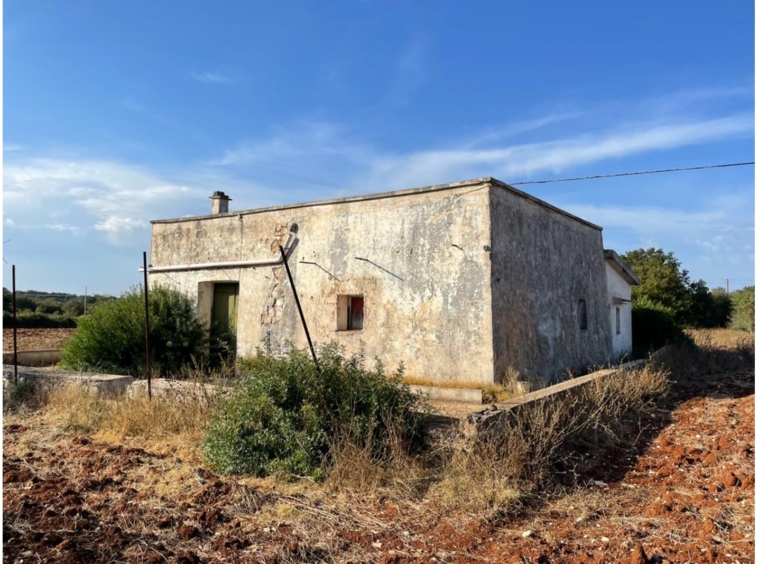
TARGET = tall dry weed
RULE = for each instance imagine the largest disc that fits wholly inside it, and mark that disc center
(537, 444)
(134, 415)
(716, 351)
(401, 472)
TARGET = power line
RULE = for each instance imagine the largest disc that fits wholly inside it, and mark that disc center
(630, 173)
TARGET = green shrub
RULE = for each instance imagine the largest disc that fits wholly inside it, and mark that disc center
(653, 326)
(111, 337)
(744, 309)
(284, 416)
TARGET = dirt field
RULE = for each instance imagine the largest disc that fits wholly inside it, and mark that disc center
(35, 339)
(679, 489)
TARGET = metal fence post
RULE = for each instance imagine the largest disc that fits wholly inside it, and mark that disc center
(15, 327)
(147, 329)
(299, 309)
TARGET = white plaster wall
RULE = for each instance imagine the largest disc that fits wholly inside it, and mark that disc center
(427, 295)
(619, 288)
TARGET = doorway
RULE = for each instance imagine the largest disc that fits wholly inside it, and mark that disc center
(224, 310)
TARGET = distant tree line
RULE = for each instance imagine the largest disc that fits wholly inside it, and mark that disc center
(668, 300)
(36, 309)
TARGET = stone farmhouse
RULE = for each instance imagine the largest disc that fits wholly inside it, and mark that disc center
(462, 283)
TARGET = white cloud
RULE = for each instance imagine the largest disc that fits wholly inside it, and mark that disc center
(63, 227)
(524, 161)
(323, 153)
(217, 77)
(718, 234)
(110, 197)
(118, 226)
(411, 71)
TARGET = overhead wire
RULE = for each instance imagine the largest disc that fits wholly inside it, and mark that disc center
(636, 173)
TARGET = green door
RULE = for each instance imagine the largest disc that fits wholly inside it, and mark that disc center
(224, 315)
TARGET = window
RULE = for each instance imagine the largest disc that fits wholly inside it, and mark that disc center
(618, 321)
(349, 313)
(582, 314)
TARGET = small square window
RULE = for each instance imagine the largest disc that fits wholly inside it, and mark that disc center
(582, 314)
(349, 313)
(618, 321)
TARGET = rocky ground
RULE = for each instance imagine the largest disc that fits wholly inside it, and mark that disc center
(678, 489)
(35, 339)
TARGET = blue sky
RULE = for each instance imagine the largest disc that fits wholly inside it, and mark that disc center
(116, 113)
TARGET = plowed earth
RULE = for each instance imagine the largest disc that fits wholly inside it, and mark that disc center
(36, 339)
(679, 490)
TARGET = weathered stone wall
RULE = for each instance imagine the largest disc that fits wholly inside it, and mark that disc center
(426, 287)
(543, 263)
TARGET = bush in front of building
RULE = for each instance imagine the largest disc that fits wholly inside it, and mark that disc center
(286, 417)
(654, 326)
(111, 337)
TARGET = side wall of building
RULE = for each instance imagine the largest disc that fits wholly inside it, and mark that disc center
(619, 298)
(418, 261)
(547, 270)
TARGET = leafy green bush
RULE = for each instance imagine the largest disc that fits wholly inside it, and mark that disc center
(744, 309)
(653, 326)
(284, 416)
(111, 337)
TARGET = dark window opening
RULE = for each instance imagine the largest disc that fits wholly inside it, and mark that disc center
(618, 321)
(349, 313)
(582, 314)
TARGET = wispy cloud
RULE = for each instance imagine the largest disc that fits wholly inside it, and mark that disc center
(11, 147)
(722, 233)
(551, 157)
(102, 195)
(116, 227)
(216, 77)
(64, 227)
(322, 152)
(411, 71)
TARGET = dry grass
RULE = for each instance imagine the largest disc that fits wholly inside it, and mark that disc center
(722, 338)
(716, 351)
(418, 381)
(533, 446)
(169, 415)
(492, 472)
(536, 451)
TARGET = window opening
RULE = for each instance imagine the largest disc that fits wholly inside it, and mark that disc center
(349, 313)
(582, 314)
(618, 321)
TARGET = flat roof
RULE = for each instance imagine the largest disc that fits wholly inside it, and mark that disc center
(394, 194)
(620, 266)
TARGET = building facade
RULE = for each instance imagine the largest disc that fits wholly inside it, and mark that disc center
(620, 281)
(460, 282)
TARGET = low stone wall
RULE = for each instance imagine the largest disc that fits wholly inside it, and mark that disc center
(41, 357)
(485, 418)
(181, 390)
(458, 395)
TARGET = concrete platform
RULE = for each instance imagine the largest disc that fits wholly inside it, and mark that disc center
(182, 390)
(105, 384)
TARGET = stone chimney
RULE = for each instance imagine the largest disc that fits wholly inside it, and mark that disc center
(219, 203)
